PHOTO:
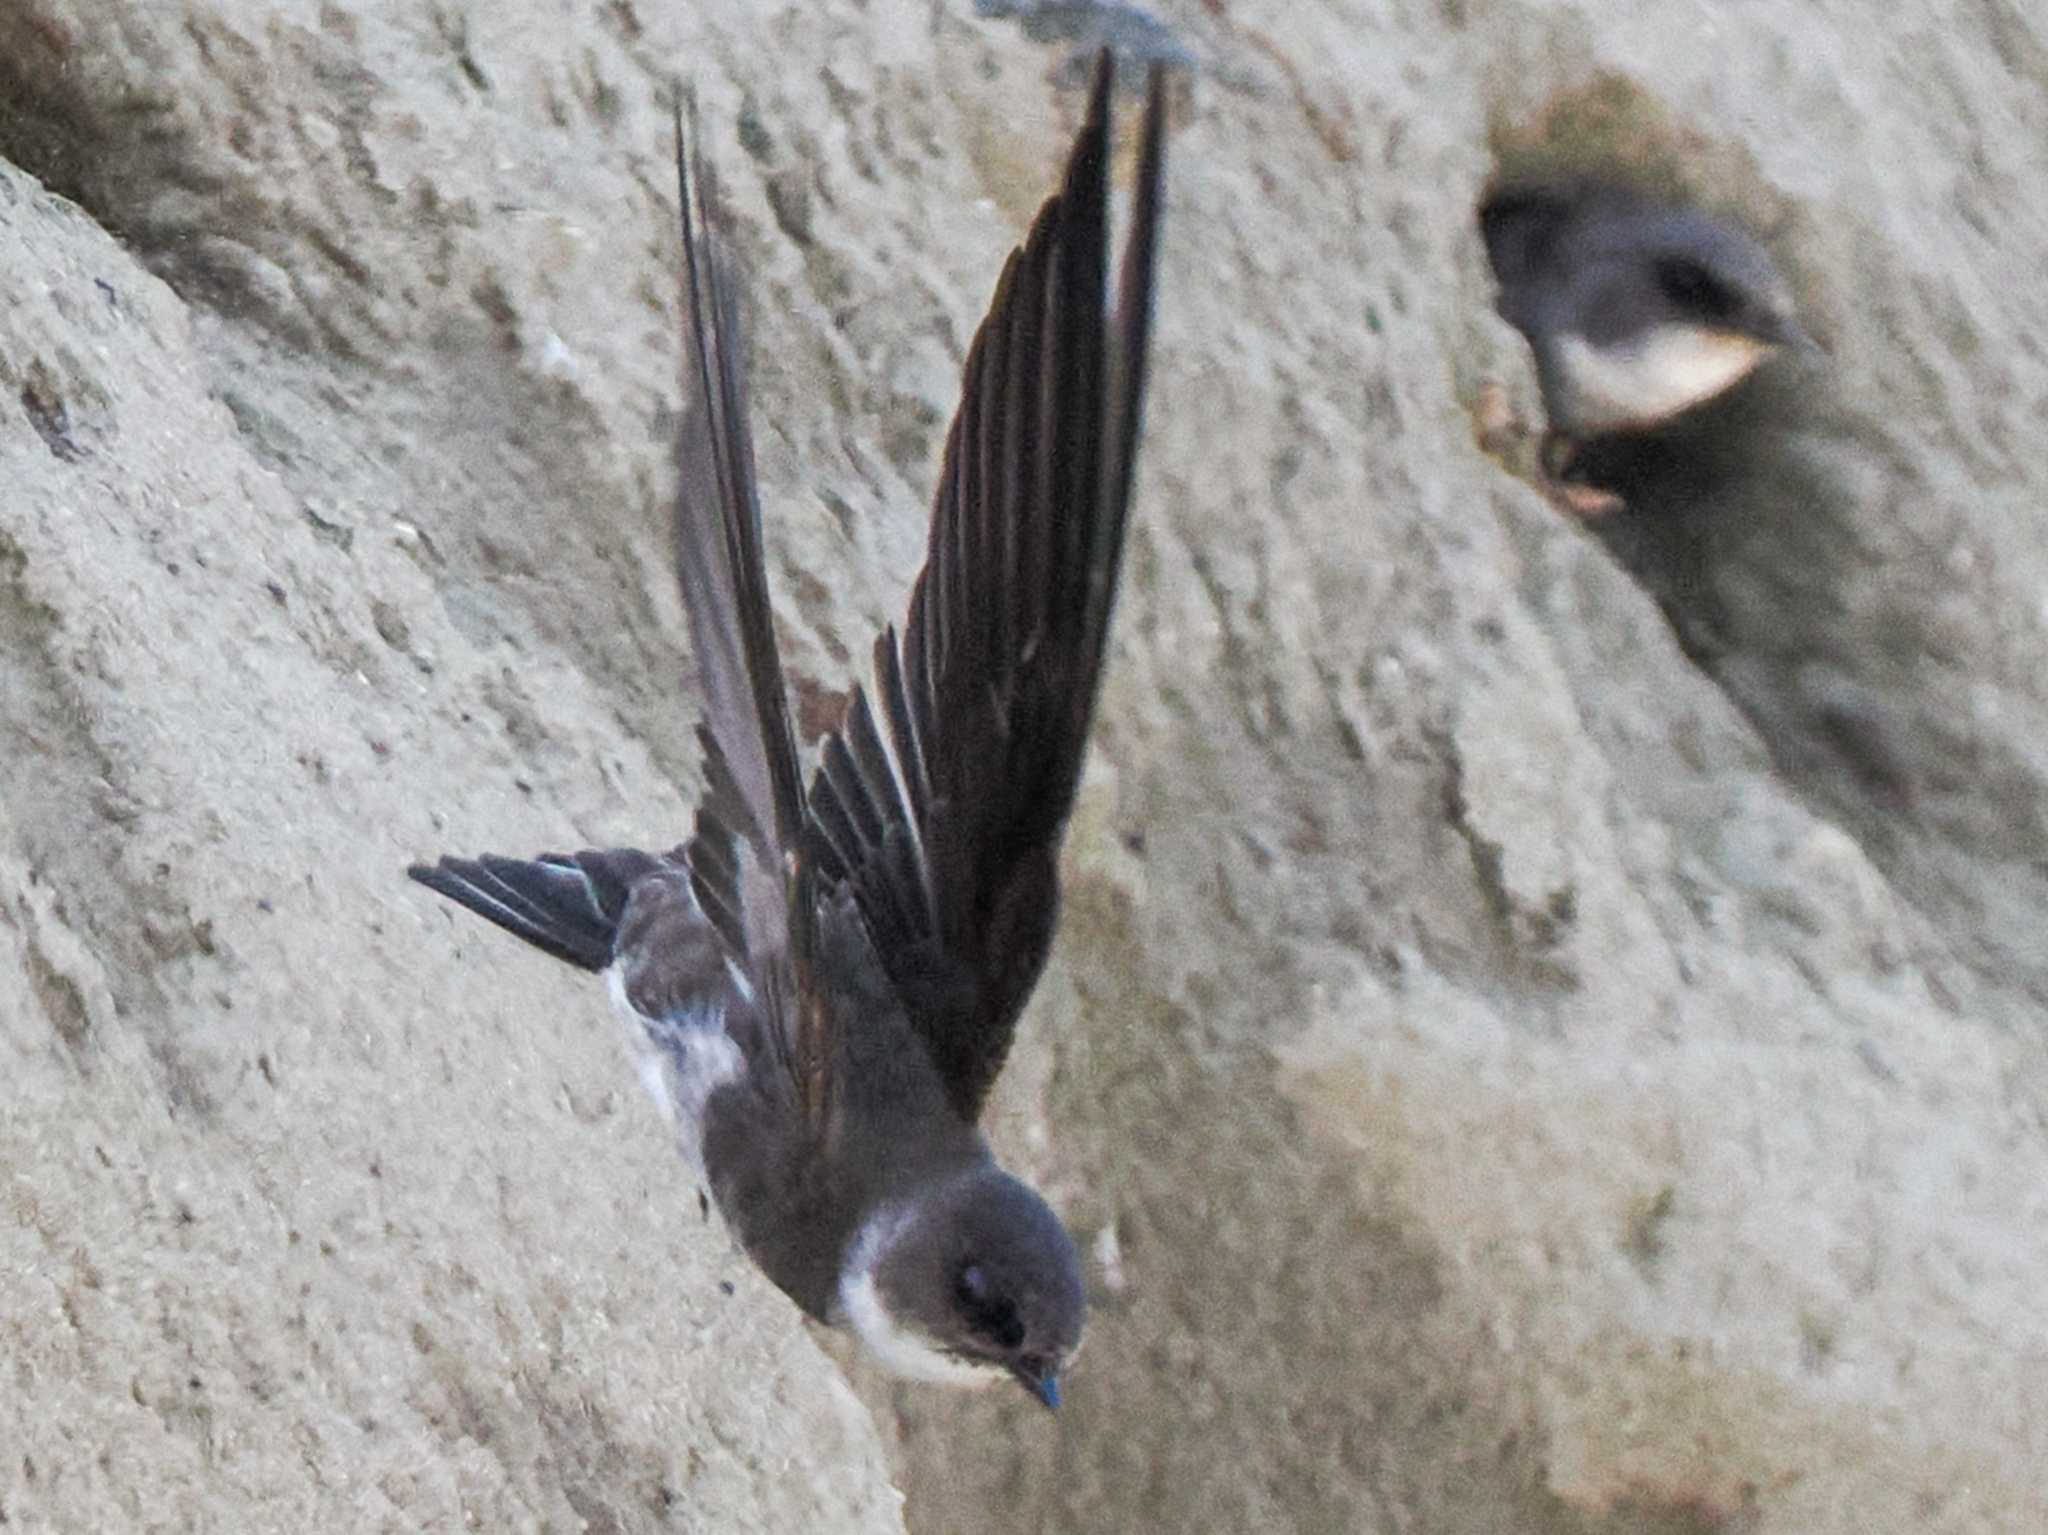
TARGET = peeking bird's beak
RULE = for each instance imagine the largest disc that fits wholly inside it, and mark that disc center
(1785, 331)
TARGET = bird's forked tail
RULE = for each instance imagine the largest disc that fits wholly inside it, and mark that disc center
(569, 904)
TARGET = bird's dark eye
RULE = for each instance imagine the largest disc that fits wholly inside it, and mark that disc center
(991, 1317)
(1695, 289)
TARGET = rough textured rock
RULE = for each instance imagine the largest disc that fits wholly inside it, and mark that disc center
(1548, 1035)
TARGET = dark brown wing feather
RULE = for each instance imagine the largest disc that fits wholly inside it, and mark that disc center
(952, 851)
(750, 821)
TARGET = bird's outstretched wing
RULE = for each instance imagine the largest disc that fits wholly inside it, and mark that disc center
(743, 856)
(949, 836)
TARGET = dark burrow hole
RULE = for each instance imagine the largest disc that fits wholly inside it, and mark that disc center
(1801, 561)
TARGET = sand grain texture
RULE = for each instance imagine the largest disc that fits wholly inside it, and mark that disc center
(1548, 1034)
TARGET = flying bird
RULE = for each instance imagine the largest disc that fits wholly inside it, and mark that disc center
(825, 984)
(1637, 311)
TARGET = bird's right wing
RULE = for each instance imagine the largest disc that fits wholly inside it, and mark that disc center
(949, 837)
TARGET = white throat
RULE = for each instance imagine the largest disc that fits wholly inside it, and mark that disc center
(1639, 383)
(900, 1349)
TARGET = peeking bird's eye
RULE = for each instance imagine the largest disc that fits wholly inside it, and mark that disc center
(1695, 289)
(990, 1316)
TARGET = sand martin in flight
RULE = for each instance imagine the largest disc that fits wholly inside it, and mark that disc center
(825, 984)
(1636, 311)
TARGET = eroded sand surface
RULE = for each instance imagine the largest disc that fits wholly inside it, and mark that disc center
(1549, 1034)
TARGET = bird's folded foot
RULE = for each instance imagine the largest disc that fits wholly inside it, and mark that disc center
(1505, 433)
(1588, 503)
(1573, 497)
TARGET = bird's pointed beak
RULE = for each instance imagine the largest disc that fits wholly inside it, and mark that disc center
(1043, 1384)
(1785, 331)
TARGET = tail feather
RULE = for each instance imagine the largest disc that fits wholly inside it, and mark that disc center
(568, 905)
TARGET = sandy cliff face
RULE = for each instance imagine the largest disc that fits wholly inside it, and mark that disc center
(1549, 1033)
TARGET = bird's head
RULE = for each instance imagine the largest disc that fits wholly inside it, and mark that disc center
(1674, 309)
(968, 1283)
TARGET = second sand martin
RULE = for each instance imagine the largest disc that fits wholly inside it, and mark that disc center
(1637, 311)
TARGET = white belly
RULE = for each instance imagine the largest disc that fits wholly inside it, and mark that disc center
(682, 1062)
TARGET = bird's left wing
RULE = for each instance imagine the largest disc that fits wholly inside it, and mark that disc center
(744, 857)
